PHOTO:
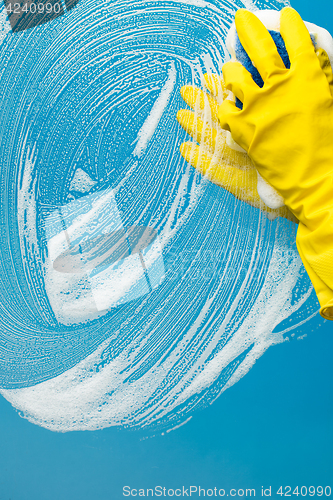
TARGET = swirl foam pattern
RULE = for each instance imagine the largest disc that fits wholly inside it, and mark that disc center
(89, 108)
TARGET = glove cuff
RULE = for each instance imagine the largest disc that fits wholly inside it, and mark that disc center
(327, 311)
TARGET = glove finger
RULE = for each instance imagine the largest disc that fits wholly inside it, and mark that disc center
(258, 43)
(198, 100)
(238, 79)
(198, 130)
(216, 86)
(325, 64)
(215, 141)
(295, 34)
(196, 156)
(240, 183)
(233, 179)
(229, 116)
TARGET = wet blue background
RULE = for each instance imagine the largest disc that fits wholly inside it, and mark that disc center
(274, 427)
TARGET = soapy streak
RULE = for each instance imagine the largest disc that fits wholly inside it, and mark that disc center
(83, 398)
(148, 128)
(165, 355)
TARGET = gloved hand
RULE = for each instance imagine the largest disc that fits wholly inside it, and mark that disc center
(221, 164)
(287, 129)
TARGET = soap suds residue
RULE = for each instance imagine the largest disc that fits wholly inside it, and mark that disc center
(153, 333)
(148, 128)
(81, 182)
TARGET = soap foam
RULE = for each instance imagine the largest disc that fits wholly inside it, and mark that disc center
(230, 276)
(93, 395)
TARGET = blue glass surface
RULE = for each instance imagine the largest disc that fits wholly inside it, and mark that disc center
(272, 428)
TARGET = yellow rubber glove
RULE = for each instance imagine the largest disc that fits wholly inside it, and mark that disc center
(222, 165)
(287, 129)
